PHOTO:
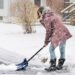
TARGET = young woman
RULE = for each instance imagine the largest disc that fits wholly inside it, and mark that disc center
(56, 33)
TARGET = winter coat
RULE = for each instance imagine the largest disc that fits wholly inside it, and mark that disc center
(56, 32)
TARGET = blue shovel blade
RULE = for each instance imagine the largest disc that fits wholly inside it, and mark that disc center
(22, 65)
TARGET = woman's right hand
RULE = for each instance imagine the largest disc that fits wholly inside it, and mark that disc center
(45, 45)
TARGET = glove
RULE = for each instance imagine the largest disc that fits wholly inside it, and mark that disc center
(45, 44)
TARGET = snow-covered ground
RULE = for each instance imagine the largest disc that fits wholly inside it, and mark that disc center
(15, 46)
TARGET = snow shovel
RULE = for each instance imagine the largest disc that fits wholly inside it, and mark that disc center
(24, 64)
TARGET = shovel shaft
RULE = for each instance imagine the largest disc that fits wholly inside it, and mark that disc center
(35, 54)
(24, 64)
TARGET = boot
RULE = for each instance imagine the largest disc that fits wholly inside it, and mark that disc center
(52, 66)
(60, 64)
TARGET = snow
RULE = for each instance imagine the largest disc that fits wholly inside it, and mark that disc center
(15, 46)
(8, 67)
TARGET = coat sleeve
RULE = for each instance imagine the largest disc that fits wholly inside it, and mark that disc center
(48, 23)
(49, 31)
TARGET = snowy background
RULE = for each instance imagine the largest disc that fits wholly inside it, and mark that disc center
(15, 46)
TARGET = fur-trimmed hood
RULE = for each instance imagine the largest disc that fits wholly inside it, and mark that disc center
(46, 10)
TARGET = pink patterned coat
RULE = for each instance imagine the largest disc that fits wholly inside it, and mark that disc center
(56, 32)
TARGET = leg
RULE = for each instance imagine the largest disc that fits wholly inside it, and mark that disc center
(52, 53)
(62, 50)
(52, 60)
(62, 55)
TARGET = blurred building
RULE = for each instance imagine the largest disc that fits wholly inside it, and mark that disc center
(56, 5)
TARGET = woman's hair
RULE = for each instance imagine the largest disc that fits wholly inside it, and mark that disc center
(40, 9)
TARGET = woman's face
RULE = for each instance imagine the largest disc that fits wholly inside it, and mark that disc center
(39, 15)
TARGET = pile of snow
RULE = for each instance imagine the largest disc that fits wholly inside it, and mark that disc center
(11, 67)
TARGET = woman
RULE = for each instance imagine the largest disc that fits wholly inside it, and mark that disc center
(56, 33)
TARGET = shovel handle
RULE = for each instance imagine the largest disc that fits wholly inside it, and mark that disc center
(36, 53)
